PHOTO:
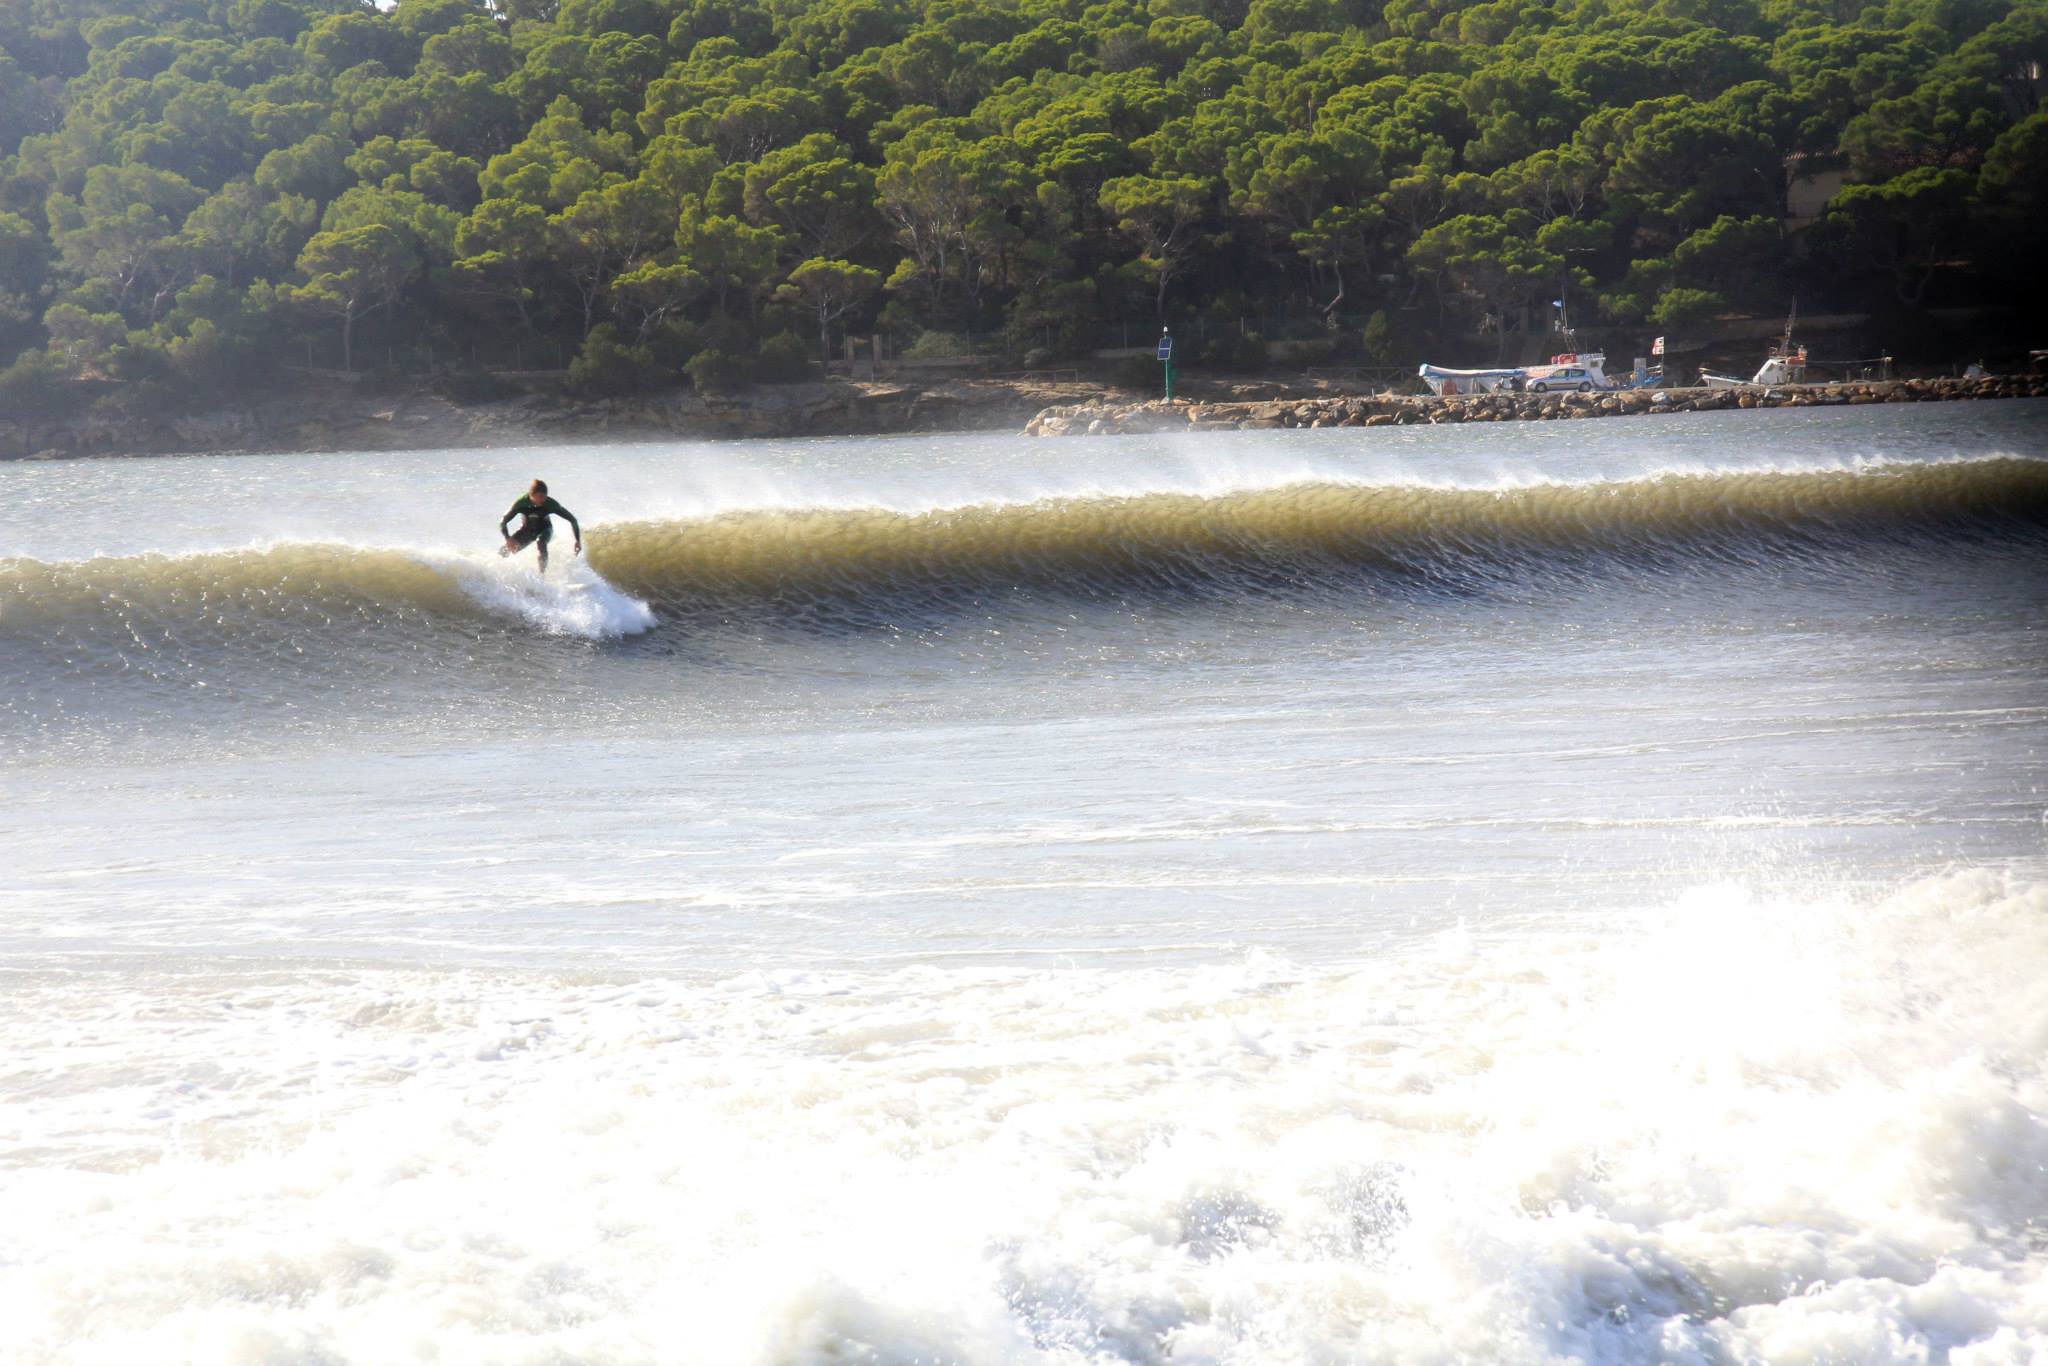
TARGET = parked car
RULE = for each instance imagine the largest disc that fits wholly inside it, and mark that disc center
(1551, 379)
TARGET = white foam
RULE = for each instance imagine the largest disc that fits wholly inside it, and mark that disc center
(571, 599)
(1729, 1129)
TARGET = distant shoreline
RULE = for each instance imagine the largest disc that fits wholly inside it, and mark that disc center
(338, 419)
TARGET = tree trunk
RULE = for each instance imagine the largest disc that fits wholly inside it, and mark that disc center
(519, 299)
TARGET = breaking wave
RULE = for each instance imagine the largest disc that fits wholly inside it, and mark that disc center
(1732, 1128)
(867, 564)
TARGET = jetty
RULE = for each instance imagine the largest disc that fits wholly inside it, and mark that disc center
(1103, 417)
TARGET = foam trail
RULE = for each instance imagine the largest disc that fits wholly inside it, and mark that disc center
(572, 600)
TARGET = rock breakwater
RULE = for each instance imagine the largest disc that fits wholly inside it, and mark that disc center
(1105, 418)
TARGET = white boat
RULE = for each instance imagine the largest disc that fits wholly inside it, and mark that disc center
(1453, 382)
(1571, 372)
(1786, 364)
(1778, 369)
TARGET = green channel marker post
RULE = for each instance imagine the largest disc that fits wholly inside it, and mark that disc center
(1166, 358)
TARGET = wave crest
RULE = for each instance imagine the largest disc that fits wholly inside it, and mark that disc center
(873, 561)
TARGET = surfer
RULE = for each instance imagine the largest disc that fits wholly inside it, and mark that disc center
(534, 508)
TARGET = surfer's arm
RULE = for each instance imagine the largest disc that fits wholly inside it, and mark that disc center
(574, 525)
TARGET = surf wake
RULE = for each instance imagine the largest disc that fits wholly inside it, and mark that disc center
(571, 600)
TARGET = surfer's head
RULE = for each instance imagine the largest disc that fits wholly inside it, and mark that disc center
(538, 491)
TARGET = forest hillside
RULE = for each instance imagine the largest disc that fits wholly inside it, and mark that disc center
(195, 194)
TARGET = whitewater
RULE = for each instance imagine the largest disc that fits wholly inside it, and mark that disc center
(1533, 893)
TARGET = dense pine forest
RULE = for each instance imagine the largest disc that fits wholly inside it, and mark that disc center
(195, 193)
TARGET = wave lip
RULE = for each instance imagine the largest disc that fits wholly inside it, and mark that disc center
(1312, 531)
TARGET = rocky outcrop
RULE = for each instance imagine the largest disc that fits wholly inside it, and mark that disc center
(1101, 418)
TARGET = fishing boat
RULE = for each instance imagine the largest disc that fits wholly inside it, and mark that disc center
(1788, 368)
(1786, 364)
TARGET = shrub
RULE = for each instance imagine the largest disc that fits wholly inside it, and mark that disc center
(39, 385)
(1679, 305)
(782, 358)
(938, 346)
(607, 365)
(1378, 339)
(716, 371)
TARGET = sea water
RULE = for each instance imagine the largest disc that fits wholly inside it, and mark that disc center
(1507, 893)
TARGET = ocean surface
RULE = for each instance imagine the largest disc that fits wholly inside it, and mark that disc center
(1514, 893)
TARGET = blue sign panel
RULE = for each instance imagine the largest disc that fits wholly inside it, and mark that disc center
(1166, 348)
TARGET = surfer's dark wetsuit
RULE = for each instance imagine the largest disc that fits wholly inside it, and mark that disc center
(535, 529)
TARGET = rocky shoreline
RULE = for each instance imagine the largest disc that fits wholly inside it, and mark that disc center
(1100, 418)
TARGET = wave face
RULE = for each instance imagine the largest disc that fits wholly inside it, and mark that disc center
(323, 586)
(862, 567)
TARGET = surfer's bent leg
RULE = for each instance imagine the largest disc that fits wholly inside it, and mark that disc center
(526, 536)
(540, 546)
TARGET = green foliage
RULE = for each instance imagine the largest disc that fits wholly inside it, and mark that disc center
(1909, 223)
(830, 290)
(938, 346)
(1488, 260)
(640, 182)
(1378, 339)
(1159, 213)
(353, 272)
(1679, 305)
(39, 384)
(779, 358)
(608, 365)
(1236, 350)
